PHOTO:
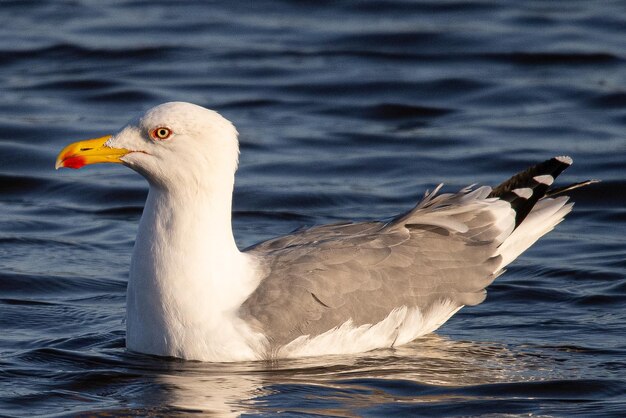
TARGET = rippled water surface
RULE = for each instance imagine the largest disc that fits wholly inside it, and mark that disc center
(346, 110)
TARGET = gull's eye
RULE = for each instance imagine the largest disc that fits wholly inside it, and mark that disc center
(161, 133)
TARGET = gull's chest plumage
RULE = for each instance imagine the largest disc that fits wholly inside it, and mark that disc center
(183, 291)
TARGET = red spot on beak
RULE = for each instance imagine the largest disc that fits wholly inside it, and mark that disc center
(74, 162)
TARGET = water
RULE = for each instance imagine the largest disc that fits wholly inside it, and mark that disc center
(346, 111)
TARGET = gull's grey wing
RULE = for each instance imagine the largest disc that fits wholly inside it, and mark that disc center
(317, 279)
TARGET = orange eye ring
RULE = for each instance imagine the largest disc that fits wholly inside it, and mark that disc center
(161, 133)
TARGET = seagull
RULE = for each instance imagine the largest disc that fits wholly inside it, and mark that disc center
(332, 289)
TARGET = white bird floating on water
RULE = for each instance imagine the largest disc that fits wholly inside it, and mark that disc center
(331, 289)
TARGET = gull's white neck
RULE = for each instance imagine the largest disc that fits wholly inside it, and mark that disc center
(187, 276)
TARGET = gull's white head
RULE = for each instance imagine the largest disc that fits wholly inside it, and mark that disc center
(173, 143)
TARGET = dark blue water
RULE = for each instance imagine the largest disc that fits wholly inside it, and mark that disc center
(347, 110)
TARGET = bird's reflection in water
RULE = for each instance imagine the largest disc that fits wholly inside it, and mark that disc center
(419, 372)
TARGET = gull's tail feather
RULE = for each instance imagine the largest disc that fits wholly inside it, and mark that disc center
(524, 189)
(543, 217)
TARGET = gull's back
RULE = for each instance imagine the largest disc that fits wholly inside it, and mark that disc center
(354, 287)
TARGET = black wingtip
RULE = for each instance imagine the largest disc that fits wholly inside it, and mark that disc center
(564, 159)
(524, 189)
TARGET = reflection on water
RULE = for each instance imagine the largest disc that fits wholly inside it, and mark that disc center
(431, 363)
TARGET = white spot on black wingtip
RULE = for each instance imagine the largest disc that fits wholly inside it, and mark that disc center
(546, 179)
(564, 159)
(524, 193)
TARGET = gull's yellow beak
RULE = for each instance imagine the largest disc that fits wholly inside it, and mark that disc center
(91, 151)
